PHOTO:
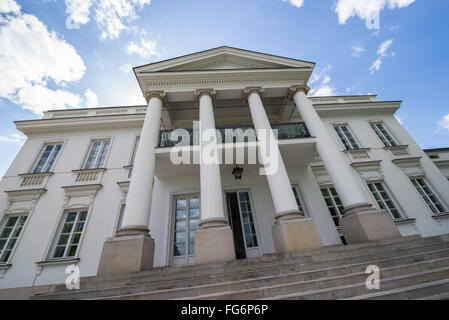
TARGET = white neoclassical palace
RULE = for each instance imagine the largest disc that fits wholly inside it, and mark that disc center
(98, 187)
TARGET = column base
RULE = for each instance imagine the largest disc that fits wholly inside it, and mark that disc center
(127, 254)
(292, 233)
(214, 242)
(363, 223)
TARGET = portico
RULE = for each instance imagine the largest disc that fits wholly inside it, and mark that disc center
(232, 86)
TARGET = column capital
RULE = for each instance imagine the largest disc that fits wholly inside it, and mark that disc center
(199, 92)
(155, 94)
(248, 90)
(298, 88)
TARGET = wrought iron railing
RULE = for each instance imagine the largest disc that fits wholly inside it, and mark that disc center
(189, 136)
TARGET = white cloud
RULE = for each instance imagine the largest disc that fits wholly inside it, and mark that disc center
(111, 16)
(9, 6)
(366, 9)
(399, 119)
(30, 57)
(147, 48)
(296, 3)
(444, 123)
(357, 50)
(91, 99)
(16, 138)
(322, 81)
(126, 68)
(382, 52)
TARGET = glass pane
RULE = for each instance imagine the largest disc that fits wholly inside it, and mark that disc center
(63, 239)
(6, 232)
(5, 256)
(194, 213)
(76, 238)
(179, 249)
(194, 224)
(192, 236)
(2, 244)
(72, 251)
(59, 252)
(180, 203)
(83, 216)
(11, 221)
(180, 237)
(79, 226)
(181, 214)
(11, 243)
(67, 228)
(180, 225)
(243, 196)
(191, 248)
(71, 216)
(194, 203)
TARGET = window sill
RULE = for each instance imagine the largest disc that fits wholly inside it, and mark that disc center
(34, 174)
(57, 262)
(404, 221)
(89, 170)
(4, 267)
(443, 215)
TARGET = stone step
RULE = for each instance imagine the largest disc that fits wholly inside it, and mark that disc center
(289, 273)
(440, 296)
(328, 257)
(335, 287)
(439, 276)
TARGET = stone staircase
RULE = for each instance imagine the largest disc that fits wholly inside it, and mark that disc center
(410, 268)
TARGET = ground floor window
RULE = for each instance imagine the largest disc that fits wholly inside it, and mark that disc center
(432, 200)
(299, 199)
(69, 235)
(187, 218)
(11, 228)
(384, 199)
(333, 203)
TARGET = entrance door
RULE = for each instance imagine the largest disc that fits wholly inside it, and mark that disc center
(185, 222)
(241, 219)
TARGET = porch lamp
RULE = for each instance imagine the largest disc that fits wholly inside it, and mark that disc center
(237, 173)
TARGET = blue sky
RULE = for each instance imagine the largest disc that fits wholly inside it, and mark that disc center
(57, 54)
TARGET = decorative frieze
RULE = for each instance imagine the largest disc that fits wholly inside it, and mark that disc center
(411, 166)
(369, 170)
(20, 201)
(80, 195)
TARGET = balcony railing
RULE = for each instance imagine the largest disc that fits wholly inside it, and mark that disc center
(186, 137)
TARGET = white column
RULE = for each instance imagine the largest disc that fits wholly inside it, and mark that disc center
(281, 190)
(136, 217)
(339, 171)
(212, 212)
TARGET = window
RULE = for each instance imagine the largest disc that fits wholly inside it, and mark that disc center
(383, 199)
(384, 134)
(47, 158)
(136, 145)
(11, 229)
(299, 199)
(70, 234)
(346, 137)
(187, 218)
(120, 217)
(249, 228)
(333, 203)
(97, 154)
(429, 197)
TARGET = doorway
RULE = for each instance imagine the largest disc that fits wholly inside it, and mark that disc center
(241, 220)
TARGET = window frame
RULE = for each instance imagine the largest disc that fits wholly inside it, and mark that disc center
(392, 199)
(299, 197)
(334, 204)
(434, 193)
(351, 132)
(4, 220)
(380, 134)
(41, 152)
(134, 150)
(89, 150)
(58, 231)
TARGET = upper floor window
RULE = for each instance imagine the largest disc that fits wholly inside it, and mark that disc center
(384, 135)
(346, 137)
(98, 151)
(333, 203)
(299, 199)
(47, 157)
(384, 199)
(11, 228)
(136, 145)
(428, 195)
(69, 234)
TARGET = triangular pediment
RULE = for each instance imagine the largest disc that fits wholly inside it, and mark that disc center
(224, 58)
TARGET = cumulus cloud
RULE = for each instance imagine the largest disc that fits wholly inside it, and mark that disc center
(30, 58)
(444, 123)
(382, 52)
(296, 3)
(91, 99)
(111, 16)
(9, 6)
(366, 9)
(16, 138)
(146, 48)
(320, 83)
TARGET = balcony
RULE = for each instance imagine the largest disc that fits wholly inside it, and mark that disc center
(189, 137)
(295, 143)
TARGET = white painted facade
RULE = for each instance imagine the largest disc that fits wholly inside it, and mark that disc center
(45, 198)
